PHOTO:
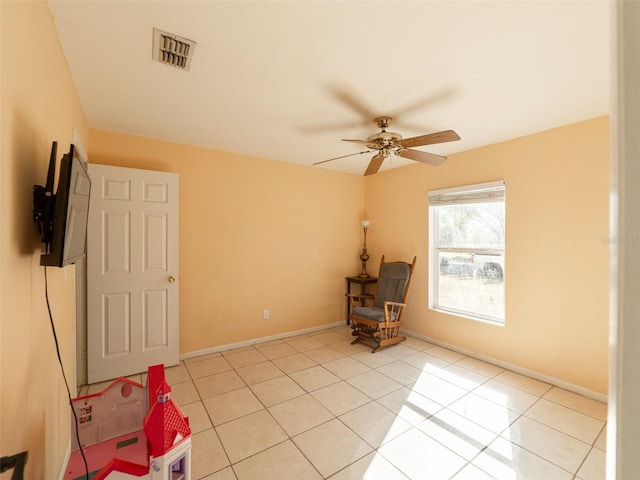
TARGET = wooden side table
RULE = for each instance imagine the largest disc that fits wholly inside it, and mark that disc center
(363, 282)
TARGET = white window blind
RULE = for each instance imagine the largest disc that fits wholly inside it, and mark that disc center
(481, 193)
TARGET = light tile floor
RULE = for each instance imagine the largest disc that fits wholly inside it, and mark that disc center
(315, 407)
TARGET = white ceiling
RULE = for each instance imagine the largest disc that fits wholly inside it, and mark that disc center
(288, 80)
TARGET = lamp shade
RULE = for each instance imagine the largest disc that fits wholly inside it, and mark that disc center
(365, 223)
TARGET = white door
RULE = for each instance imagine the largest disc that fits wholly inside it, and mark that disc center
(132, 271)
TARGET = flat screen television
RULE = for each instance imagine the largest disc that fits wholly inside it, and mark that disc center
(62, 216)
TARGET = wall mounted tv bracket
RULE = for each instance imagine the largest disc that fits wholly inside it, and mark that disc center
(17, 462)
(44, 201)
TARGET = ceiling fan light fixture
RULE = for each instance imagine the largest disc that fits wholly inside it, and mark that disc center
(172, 50)
(388, 144)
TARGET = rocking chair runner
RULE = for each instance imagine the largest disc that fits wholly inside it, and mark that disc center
(382, 321)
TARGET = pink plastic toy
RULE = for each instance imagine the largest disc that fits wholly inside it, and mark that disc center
(131, 432)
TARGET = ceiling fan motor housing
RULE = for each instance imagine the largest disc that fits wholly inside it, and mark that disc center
(388, 143)
(384, 139)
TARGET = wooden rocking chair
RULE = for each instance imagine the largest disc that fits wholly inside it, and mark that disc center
(382, 321)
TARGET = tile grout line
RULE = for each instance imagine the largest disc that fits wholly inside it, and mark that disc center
(265, 408)
(289, 437)
(402, 359)
(523, 415)
(212, 427)
(593, 446)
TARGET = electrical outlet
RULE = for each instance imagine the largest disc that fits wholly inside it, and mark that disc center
(265, 314)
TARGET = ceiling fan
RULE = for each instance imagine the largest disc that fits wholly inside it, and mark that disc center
(391, 143)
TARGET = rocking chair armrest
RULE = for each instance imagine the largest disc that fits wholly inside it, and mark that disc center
(395, 304)
(358, 297)
(390, 307)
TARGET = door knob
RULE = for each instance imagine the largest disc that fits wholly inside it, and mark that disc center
(172, 279)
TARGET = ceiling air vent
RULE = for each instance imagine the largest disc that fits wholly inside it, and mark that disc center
(172, 49)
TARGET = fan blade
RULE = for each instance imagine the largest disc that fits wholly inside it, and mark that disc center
(328, 127)
(375, 164)
(343, 156)
(430, 139)
(350, 99)
(361, 142)
(422, 157)
(438, 96)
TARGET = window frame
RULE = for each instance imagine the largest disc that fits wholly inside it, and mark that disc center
(466, 194)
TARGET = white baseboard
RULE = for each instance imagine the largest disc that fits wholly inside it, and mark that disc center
(255, 341)
(514, 368)
(485, 358)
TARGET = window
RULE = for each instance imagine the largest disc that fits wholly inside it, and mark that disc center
(177, 469)
(466, 240)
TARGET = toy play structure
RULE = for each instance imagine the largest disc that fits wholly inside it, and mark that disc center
(129, 431)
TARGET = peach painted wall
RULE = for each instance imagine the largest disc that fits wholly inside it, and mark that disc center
(557, 253)
(39, 105)
(254, 235)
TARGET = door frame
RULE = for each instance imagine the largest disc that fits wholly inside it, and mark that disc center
(623, 427)
(80, 353)
(81, 323)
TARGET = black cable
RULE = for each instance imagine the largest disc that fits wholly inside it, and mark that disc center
(66, 384)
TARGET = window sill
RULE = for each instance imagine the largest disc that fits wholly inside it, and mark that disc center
(496, 322)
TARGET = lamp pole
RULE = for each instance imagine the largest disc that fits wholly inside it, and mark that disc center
(364, 256)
